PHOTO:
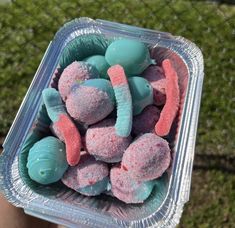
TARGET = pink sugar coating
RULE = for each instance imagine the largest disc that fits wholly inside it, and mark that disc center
(155, 75)
(86, 173)
(145, 122)
(117, 75)
(59, 135)
(76, 71)
(104, 143)
(147, 158)
(55, 131)
(71, 136)
(88, 105)
(171, 107)
(123, 186)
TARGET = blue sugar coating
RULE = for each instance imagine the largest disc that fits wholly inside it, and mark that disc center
(123, 124)
(95, 189)
(102, 84)
(100, 63)
(141, 92)
(132, 55)
(53, 103)
(83, 46)
(144, 191)
(47, 160)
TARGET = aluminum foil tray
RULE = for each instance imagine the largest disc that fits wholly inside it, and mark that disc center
(57, 203)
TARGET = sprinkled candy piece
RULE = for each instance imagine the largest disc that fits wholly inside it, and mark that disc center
(128, 190)
(89, 177)
(104, 144)
(124, 101)
(147, 157)
(75, 72)
(67, 131)
(170, 109)
(146, 120)
(156, 78)
(88, 103)
(47, 160)
(100, 63)
(141, 92)
(101, 84)
(132, 55)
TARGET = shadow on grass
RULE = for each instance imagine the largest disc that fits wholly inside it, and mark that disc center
(222, 163)
(229, 2)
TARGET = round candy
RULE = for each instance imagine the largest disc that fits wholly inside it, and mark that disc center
(104, 144)
(128, 190)
(147, 158)
(88, 105)
(141, 92)
(132, 55)
(75, 72)
(146, 120)
(89, 177)
(100, 63)
(47, 160)
(156, 77)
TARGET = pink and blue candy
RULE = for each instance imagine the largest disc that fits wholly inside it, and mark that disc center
(89, 177)
(123, 98)
(67, 131)
(127, 189)
(91, 101)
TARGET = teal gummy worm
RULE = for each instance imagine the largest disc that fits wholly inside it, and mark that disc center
(67, 131)
(53, 103)
(122, 93)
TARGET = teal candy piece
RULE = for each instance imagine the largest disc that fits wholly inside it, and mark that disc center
(123, 124)
(141, 92)
(95, 189)
(102, 84)
(47, 161)
(40, 129)
(43, 120)
(144, 190)
(100, 63)
(31, 139)
(83, 46)
(53, 103)
(132, 55)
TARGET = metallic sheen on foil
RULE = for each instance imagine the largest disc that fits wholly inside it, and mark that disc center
(57, 203)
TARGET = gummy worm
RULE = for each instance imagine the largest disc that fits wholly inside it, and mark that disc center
(171, 106)
(124, 101)
(68, 132)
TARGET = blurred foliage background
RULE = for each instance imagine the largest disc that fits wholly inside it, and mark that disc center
(27, 26)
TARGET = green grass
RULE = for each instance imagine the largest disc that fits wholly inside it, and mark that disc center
(212, 200)
(27, 27)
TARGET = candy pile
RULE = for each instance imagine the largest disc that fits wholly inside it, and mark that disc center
(109, 115)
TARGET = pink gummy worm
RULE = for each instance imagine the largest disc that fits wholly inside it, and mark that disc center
(117, 75)
(71, 138)
(170, 109)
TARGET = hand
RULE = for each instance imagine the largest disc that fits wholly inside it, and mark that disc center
(12, 217)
